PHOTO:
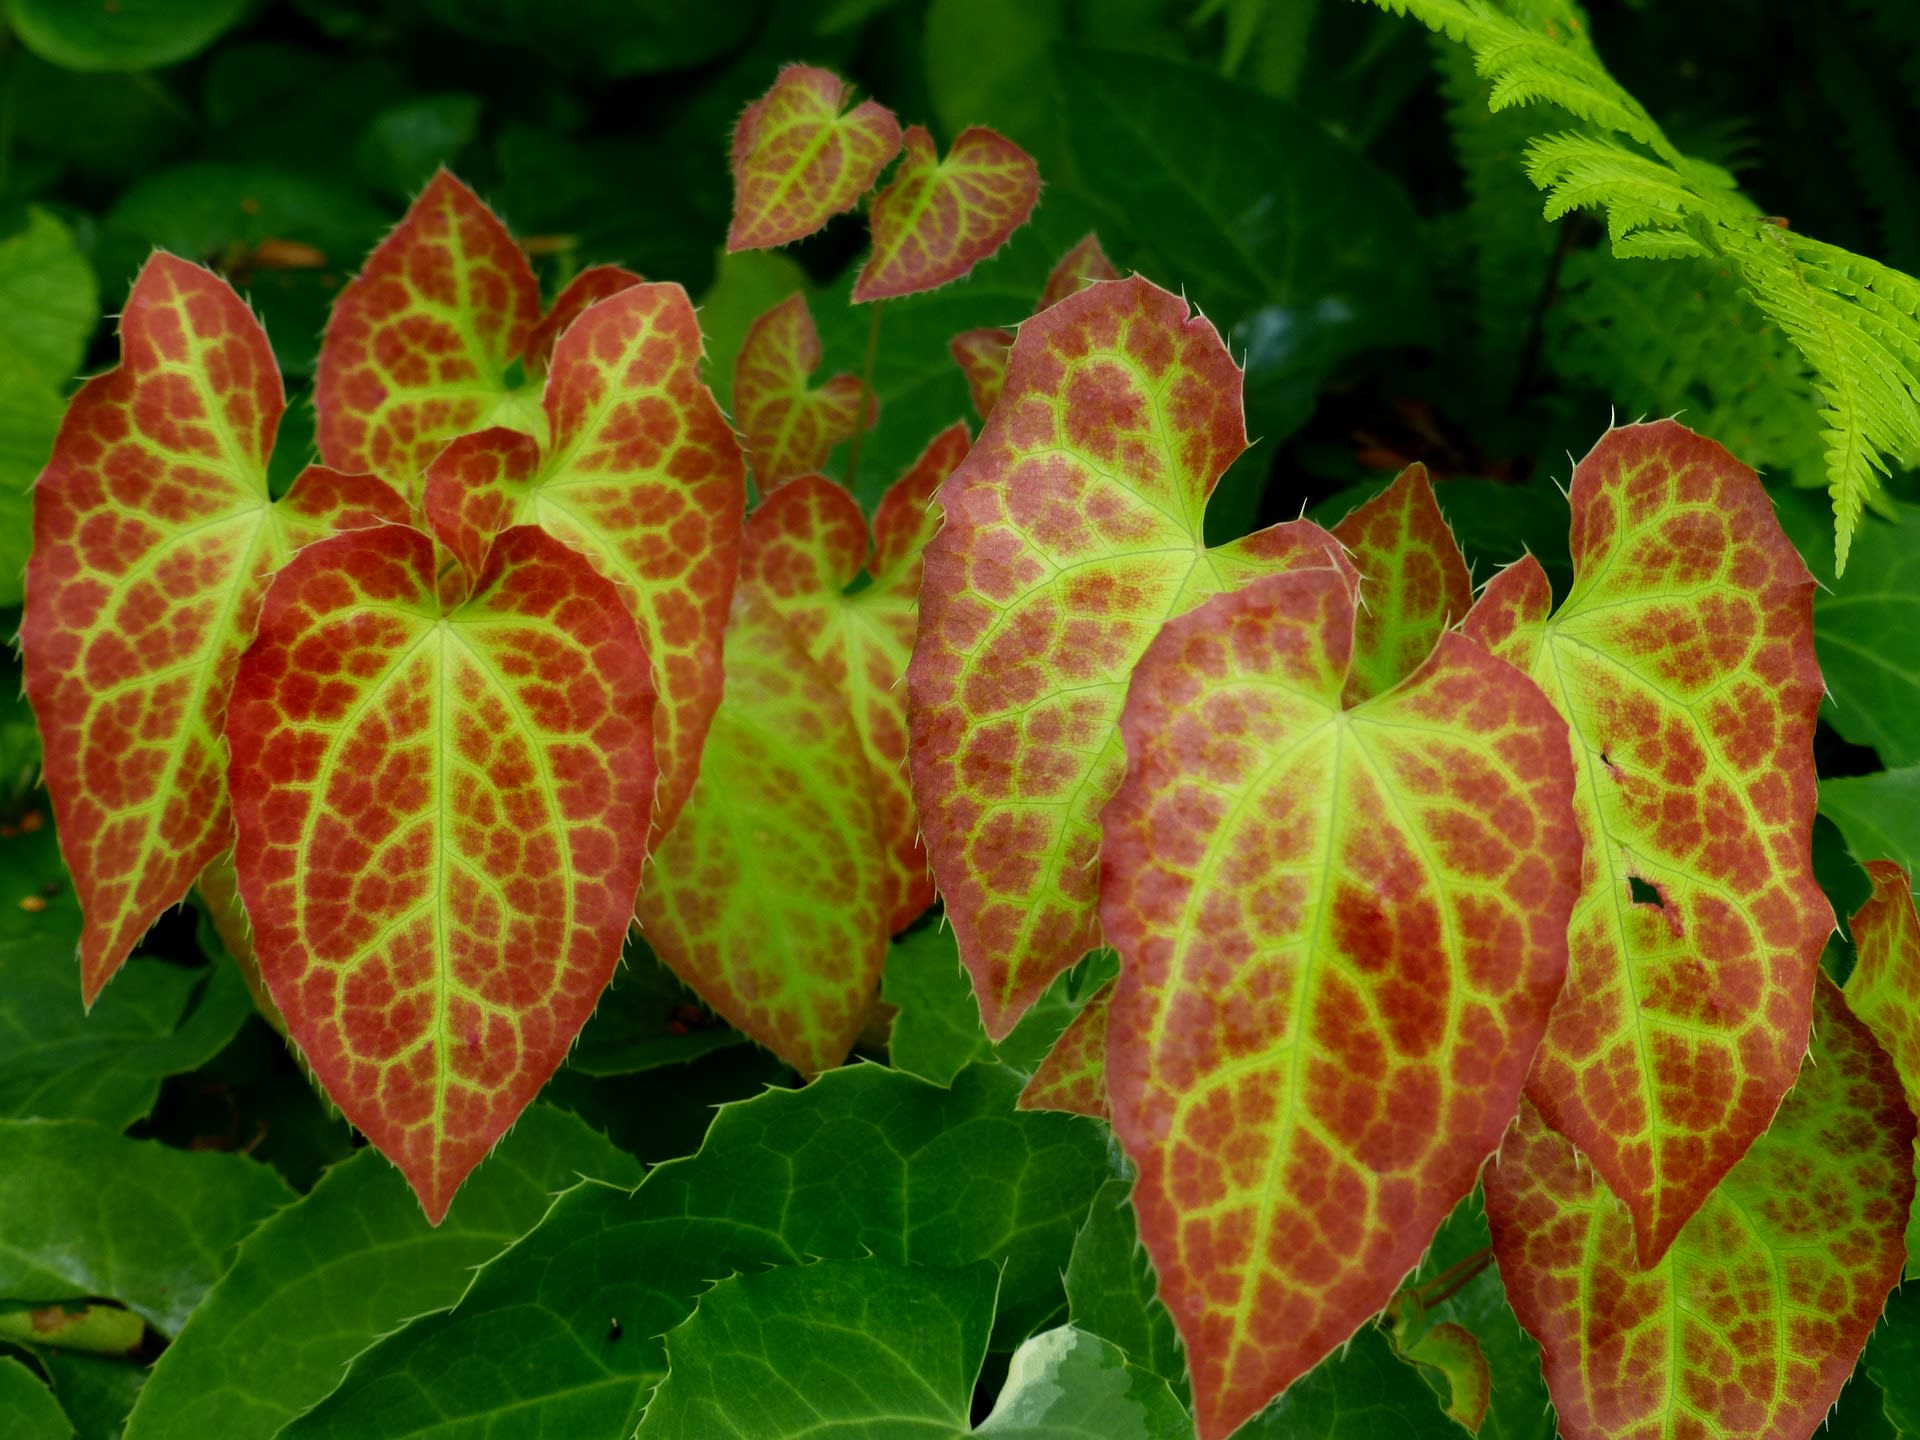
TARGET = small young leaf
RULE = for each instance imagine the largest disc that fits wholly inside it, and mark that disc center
(442, 818)
(790, 426)
(1085, 264)
(1884, 989)
(982, 357)
(798, 160)
(1413, 582)
(1073, 1077)
(643, 476)
(1683, 661)
(419, 344)
(770, 896)
(1753, 1316)
(1340, 935)
(154, 536)
(940, 218)
(806, 546)
(1073, 529)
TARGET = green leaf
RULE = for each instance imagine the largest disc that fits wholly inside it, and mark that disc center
(1360, 1392)
(28, 1410)
(59, 1061)
(1112, 1292)
(1879, 814)
(133, 35)
(564, 1327)
(96, 1393)
(1892, 1360)
(771, 1354)
(329, 1275)
(49, 303)
(616, 37)
(402, 146)
(29, 419)
(838, 1349)
(85, 1212)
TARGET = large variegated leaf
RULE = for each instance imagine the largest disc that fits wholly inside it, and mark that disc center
(791, 425)
(940, 218)
(1413, 582)
(1884, 989)
(442, 817)
(419, 344)
(1340, 933)
(982, 354)
(804, 548)
(641, 474)
(1750, 1321)
(154, 536)
(1683, 661)
(771, 895)
(1072, 531)
(799, 158)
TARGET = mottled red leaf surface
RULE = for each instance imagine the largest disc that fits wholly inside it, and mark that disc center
(642, 475)
(1073, 530)
(982, 357)
(790, 425)
(1884, 989)
(154, 537)
(1073, 1077)
(1085, 264)
(419, 344)
(1752, 1319)
(770, 896)
(1340, 933)
(442, 820)
(1413, 582)
(1683, 661)
(800, 157)
(805, 547)
(938, 218)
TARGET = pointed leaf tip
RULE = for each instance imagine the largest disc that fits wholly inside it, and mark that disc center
(1341, 933)
(940, 218)
(153, 540)
(798, 160)
(441, 819)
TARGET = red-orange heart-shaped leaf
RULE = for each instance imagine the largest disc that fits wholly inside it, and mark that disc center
(805, 546)
(419, 344)
(770, 897)
(1683, 662)
(1754, 1315)
(442, 817)
(1072, 531)
(1085, 264)
(643, 476)
(1073, 1076)
(790, 425)
(798, 161)
(982, 357)
(940, 218)
(1413, 582)
(1341, 931)
(154, 537)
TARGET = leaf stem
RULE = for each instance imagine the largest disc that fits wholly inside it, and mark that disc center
(866, 394)
(1454, 1278)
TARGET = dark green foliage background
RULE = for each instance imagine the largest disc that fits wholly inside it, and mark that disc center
(1322, 180)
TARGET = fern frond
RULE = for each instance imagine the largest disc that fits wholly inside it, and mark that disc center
(1855, 323)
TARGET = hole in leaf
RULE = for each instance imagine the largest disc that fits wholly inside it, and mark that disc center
(1644, 893)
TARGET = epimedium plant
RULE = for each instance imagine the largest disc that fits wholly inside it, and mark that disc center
(1408, 888)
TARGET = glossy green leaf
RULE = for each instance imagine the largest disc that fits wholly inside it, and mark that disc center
(95, 1393)
(133, 35)
(329, 1275)
(1360, 1392)
(59, 1061)
(49, 303)
(1112, 1292)
(1893, 1360)
(1879, 814)
(85, 1212)
(773, 1353)
(746, 284)
(402, 146)
(647, 1019)
(564, 1328)
(28, 1410)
